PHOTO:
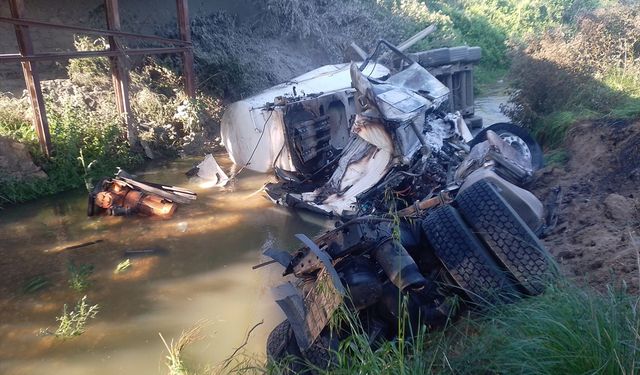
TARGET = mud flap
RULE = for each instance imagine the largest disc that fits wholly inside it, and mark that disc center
(310, 314)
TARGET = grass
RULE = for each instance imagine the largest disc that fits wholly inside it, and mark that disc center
(73, 323)
(554, 88)
(556, 158)
(79, 276)
(174, 359)
(122, 266)
(567, 330)
(36, 284)
(80, 137)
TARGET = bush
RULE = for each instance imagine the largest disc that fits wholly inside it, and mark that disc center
(89, 72)
(75, 130)
(568, 75)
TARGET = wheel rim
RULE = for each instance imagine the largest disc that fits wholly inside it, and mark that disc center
(518, 143)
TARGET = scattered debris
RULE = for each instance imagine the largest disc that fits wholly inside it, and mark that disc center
(144, 253)
(123, 196)
(210, 171)
(401, 144)
(453, 253)
(74, 247)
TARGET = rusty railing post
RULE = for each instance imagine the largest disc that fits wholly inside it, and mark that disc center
(32, 79)
(184, 25)
(119, 72)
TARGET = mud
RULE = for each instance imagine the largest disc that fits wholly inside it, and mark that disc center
(597, 238)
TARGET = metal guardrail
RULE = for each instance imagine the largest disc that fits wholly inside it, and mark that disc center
(116, 53)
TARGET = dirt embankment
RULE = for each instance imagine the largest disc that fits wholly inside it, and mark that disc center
(597, 239)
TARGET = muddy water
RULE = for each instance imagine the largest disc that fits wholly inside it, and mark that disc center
(488, 106)
(201, 272)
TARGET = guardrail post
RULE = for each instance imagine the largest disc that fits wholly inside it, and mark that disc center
(187, 56)
(119, 73)
(32, 79)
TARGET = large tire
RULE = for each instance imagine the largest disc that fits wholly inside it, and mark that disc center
(281, 344)
(464, 257)
(511, 131)
(515, 246)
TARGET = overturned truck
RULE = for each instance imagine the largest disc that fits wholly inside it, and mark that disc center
(429, 212)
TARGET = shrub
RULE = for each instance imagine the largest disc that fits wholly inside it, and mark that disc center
(567, 75)
(93, 71)
(75, 129)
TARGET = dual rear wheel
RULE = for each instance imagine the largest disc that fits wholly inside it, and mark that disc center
(488, 250)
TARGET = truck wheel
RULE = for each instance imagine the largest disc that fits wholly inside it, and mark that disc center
(281, 344)
(512, 242)
(518, 138)
(465, 258)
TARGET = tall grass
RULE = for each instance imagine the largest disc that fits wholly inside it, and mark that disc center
(567, 330)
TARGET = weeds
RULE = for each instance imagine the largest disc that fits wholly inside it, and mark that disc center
(556, 158)
(174, 359)
(564, 331)
(79, 276)
(36, 284)
(73, 323)
(90, 72)
(122, 266)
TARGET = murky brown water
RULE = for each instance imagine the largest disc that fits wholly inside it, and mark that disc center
(204, 274)
(488, 106)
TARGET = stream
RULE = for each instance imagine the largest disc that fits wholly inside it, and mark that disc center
(199, 271)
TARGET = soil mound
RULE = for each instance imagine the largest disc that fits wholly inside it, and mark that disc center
(16, 162)
(597, 239)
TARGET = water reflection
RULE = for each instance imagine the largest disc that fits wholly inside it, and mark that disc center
(202, 271)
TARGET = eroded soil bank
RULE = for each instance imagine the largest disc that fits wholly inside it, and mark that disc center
(597, 239)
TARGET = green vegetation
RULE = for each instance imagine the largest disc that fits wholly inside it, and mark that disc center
(88, 135)
(73, 323)
(36, 284)
(564, 331)
(75, 129)
(558, 157)
(551, 89)
(590, 71)
(79, 276)
(122, 266)
(174, 360)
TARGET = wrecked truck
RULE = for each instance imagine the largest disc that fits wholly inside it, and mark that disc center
(434, 221)
(333, 156)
